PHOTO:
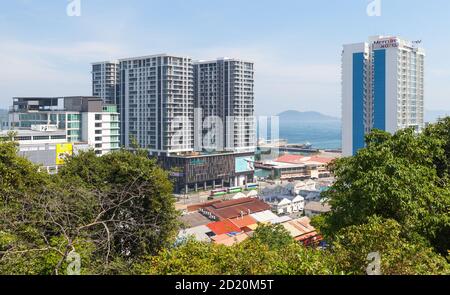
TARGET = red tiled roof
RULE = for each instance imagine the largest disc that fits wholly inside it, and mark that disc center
(223, 227)
(195, 207)
(321, 160)
(299, 159)
(229, 240)
(291, 159)
(242, 222)
(231, 203)
(237, 209)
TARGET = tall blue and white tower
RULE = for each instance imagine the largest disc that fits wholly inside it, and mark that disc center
(382, 88)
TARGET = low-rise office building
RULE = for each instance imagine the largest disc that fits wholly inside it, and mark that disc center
(194, 171)
(297, 167)
(234, 208)
(48, 149)
(286, 204)
(316, 208)
(82, 119)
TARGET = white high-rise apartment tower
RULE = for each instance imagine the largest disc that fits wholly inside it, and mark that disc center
(105, 77)
(382, 88)
(224, 88)
(157, 103)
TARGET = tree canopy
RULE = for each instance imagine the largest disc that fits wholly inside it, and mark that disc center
(110, 210)
(404, 177)
(116, 212)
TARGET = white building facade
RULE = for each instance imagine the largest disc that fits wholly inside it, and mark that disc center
(157, 103)
(224, 89)
(82, 119)
(382, 88)
(105, 78)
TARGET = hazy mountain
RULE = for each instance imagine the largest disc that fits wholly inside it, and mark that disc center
(432, 116)
(305, 116)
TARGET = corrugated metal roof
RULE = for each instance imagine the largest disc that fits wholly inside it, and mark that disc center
(229, 203)
(264, 216)
(236, 209)
(198, 232)
(281, 219)
(194, 219)
(223, 227)
(244, 221)
(318, 207)
(228, 240)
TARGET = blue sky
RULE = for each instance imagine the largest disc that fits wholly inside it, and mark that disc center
(295, 44)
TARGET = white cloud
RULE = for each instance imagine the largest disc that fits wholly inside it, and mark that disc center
(284, 83)
(40, 70)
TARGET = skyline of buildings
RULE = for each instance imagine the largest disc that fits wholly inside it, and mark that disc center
(166, 102)
(173, 105)
(382, 88)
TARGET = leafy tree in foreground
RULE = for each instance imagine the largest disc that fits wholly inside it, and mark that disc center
(398, 256)
(251, 257)
(136, 198)
(399, 177)
(110, 210)
(275, 237)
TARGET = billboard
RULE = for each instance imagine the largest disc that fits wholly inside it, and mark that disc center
(245, 164)
(63, 151)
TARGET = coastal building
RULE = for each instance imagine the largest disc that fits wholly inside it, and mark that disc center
(46, 147)
(234, 209)
(202, 171)
(4, 124)
(79, 118)
(157, 103)
(282, 205)
(302, 231)
(157, 96)
(105, 79)
(296, 167)
(265, 216)
(224, 92)
(382, 88)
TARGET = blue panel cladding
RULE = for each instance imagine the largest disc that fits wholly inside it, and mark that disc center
(379, 100)
(358, 101)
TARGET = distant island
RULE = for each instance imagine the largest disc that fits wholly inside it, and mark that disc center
(292, 115)
(319, 130)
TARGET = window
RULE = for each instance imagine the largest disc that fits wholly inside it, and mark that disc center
(22, 138)
(98, 125)
(73, 117)
(58, 137)
(40, 137)
(73, 125)
(98, 139)
(98, 132)
(98, 117)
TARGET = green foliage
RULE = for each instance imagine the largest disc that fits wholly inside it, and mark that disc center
(17, 173)
(117, 212)
(111, 210)
(275, 237)
(395, 177)
(251, 257)
(144, 191)
(398, 256)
